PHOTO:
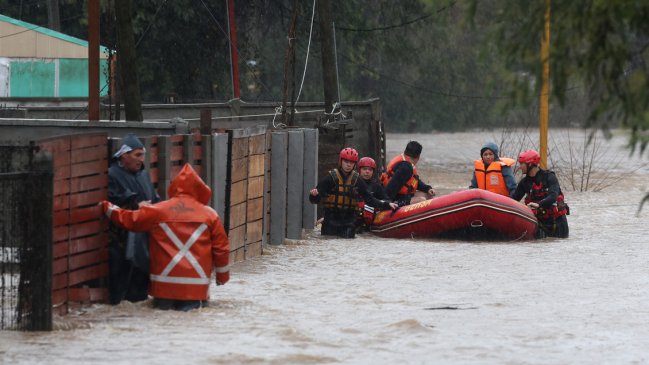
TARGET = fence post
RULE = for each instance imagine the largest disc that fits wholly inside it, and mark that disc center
(295, 185)
(206, 121)
(206, 161)
(40, 234)
(310, 176)
(188, 149)
(278, 163)
(164, 165)
(219, 163)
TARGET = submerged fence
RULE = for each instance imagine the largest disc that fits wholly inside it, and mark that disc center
(53, 242)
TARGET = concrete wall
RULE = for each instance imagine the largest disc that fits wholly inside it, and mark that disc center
(13, 129)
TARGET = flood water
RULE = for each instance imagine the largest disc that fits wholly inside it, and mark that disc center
(582, 300)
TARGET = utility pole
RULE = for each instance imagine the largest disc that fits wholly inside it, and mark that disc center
(93, 60)
(53, 17)
(328, 57)
(289, 62)
(127, 61)
(234, 55)
(545, 88)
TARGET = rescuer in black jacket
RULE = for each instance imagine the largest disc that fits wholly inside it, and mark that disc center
(543, 195)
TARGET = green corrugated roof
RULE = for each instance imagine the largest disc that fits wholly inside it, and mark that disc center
(49, 32)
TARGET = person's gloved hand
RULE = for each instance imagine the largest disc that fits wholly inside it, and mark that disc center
(107, 207)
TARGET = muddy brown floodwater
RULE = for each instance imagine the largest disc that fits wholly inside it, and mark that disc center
(582, 300)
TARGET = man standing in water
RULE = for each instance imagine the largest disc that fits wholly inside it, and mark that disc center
(187, 241)
(543, 195)
(129, 187)
(401, 181)
(338, 192)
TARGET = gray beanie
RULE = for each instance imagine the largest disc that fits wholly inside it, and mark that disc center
(130, 142)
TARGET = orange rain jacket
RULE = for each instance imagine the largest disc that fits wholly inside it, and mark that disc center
(186, 241)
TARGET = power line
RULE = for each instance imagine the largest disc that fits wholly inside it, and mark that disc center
(150, 23)
(406, 23)
(421, 88)
(388, 27)
(35, 26)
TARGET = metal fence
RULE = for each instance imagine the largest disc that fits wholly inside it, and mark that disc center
(25, 241)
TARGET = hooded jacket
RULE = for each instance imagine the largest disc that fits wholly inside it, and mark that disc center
(127, 189)
(187, 239)
(497, 177)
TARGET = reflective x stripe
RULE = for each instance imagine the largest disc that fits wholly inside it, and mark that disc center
(184, 251)
(177, 280)
(223, 269)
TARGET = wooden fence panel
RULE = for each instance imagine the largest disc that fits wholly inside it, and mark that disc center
(80, 243)
(248, 156)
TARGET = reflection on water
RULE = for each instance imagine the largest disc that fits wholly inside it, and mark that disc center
(369, 300)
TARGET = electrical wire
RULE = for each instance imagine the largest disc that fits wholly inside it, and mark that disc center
(150, 23)
(308, 48)
(408, 22)
(35, 26)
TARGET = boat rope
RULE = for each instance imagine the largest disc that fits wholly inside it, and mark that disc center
(521, 237)
(335, 106)
(277, 111)
(306, 61)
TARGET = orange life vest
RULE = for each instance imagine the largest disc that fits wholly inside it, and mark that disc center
(343, 195)
(491, 178)
(410, 187)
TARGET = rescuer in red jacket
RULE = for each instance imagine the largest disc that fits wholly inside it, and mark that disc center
(187, 241)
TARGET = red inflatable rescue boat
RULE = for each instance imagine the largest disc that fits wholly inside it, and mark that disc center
(469, 214)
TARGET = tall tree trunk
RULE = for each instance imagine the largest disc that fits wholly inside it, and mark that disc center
(289, 62)
(328, 57)
(126, 59)
(53, 18)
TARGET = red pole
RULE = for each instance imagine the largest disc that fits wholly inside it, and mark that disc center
(544, 104)
(234, 55)
(93, 60)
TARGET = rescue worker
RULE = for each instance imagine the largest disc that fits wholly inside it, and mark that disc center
(366, 168)
(339, 192)
(187, 241)
(543, 195)
(401, 181)
(130, 187)
(493, 173)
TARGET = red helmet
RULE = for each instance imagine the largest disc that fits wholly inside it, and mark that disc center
(530, 157)
(367, 162)
(348, 154)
